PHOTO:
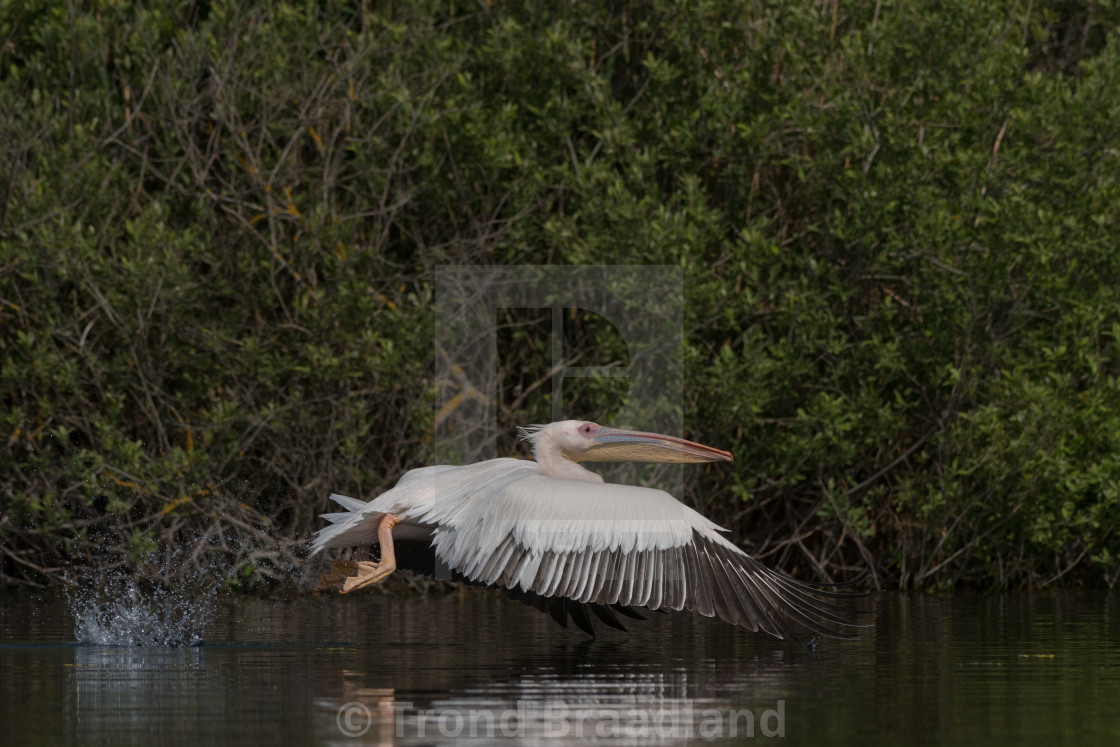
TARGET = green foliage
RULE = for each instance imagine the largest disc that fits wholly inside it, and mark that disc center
(896, 222)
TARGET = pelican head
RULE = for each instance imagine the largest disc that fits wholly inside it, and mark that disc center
(584, 441)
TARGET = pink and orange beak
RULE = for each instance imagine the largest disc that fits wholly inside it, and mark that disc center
(616, 445)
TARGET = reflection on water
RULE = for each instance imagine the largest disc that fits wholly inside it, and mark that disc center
(473, 667)
(613, 707)
(115, 691)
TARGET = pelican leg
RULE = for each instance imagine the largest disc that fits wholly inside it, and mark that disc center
(348, 575)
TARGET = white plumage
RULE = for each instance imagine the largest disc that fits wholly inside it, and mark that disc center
(555, 535)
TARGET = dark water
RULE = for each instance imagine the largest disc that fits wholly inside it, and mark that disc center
(475, 667)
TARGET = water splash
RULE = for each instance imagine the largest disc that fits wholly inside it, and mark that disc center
(127, 612)
(159, 600)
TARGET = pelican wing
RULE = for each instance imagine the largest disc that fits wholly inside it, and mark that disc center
(614, 545)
